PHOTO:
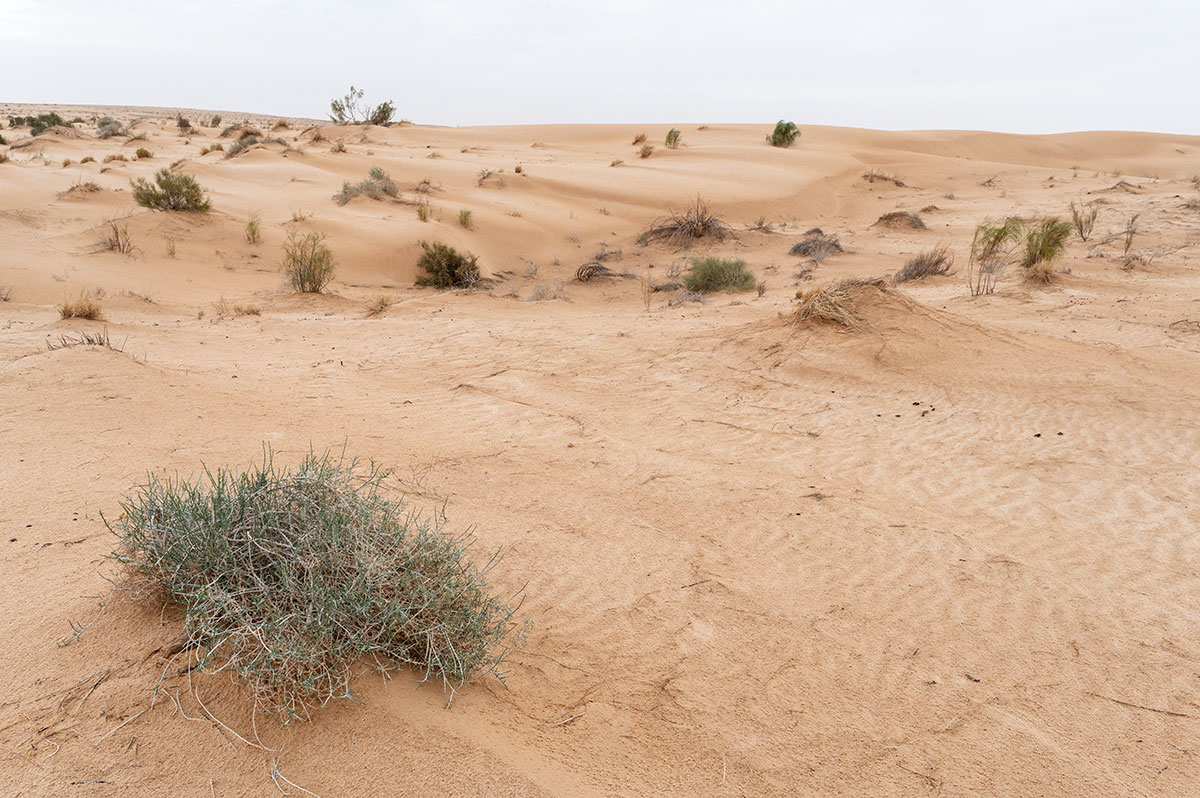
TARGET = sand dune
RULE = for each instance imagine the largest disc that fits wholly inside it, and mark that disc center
(951, 551)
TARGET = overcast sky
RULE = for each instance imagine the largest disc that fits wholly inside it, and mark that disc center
(1020, 66)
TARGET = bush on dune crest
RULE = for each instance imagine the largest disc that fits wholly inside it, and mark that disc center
(288, 578)
(172, 192)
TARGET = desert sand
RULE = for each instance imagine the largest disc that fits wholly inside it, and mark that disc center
(954, 551)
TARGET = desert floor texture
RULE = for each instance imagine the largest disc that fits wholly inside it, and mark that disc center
(953, 551)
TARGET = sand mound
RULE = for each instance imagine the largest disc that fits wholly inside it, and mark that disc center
(900, 219)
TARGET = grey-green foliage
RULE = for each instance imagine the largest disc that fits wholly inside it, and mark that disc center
(376, 186)
(171, 191)
(288, 578)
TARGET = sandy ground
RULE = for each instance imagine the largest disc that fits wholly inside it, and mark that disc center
(952, 553)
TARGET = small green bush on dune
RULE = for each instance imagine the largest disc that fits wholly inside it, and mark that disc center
(288, 578)
(445, 267)
(171, 191)
(716, 274)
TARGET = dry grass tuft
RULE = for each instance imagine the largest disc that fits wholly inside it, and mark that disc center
(681, 229)
(1084, 219)
(835, 302)
(378, 305)
(882, 177)
(816, 245)
(593, 270)
(85, 307)
(71, 340)
(936, 261)
(897, 219)
(646, 151)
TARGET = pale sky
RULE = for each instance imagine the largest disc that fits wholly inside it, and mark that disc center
(1019, 66)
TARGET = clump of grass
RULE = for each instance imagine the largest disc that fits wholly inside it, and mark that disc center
(338, 146)
(116, 238)
(142, 152)
(87, 159)
(84, 338)
(762, 225)
(1044, 242)
(173, 192)
(784, 134)
(445, 267)
(640, 138)
(1084, 219)
(991, 249)
(1131, 229)
(307, 262)
(681, 229)
(717, 274)
(900, 219)
(288, 578)
(592, 270)
(253, 231)
(835, 302)
(378, 305)
(673, 137)
(241, 145)
(115, 157)
(66, 162)
(465, 219)
(376, 185)
(85, 307)
(646, 151)
(424, 212)
(876, 175)
(816, 245)
(936, 261)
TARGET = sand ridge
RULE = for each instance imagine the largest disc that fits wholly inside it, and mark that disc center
(951, 552)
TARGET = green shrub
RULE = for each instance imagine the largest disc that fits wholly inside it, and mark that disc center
(784, 135)
(107, 127)
(673, 138)
(174, 192)
(307, 262)
(241, 144)
(215, 121)
(376, 185)
(445, 267)
(290, 578)
(37, 124)
(347, 110)
(716, 274)
(1044, 242)
(990, 253)
(142, 152)
(253, 230)
(466, 219)
(3, 141)
(1084, 219)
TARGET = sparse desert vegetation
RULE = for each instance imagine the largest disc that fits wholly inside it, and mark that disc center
(784, 134)
(719, 274)
(84, 306)
(307, 262)
(445, 267)
(937, 261)
(745, 487)
(681, 229)
(376, 185)
(288, 577)
(349, 110)
(1044, 242)
(170, 191)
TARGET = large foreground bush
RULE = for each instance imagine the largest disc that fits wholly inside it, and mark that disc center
(307, 262)
(288, 578)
